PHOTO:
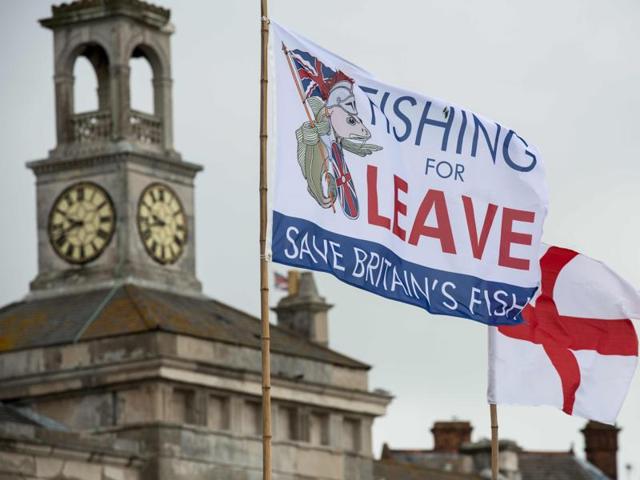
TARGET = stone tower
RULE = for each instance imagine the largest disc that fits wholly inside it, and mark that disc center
(115, 200)
(115, 366)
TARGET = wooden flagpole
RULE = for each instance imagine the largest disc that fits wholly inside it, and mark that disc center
(264, 272)
(494, 441)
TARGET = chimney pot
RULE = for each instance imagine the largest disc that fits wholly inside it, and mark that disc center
(601, 447)
(449, 436)
(304, 311)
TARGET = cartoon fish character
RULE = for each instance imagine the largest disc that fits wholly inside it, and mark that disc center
(321, 144)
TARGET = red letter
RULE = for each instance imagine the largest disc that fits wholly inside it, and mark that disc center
(478, 244)
(399, 207)
(372, 189)
(508, 236)
(442, 231)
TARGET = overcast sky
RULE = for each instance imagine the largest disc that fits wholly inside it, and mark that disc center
(566, 75)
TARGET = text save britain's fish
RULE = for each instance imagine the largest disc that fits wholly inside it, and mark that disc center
(403, 195)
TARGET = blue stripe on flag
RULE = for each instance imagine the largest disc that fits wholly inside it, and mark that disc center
(375, 268)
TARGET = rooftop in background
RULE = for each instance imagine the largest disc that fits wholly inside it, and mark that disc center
(390, 470)
(454, 455)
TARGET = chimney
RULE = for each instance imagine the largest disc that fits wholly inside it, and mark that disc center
(601, 447)
(304, 311)
(449, 436)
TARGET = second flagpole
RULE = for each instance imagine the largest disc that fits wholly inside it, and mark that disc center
(264, 272)
(494, 441)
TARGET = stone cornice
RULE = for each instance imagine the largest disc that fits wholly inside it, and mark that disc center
(48, 165)
(87, 10)
(181, 371)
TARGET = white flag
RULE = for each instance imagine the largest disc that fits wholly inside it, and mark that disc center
(401, 194)
(577, 349)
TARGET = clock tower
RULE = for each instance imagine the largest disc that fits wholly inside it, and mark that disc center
(115, 200)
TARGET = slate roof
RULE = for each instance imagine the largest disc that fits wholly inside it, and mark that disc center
(130, 309)
(389, 470)
(438, 461)
(557, 466)
(563, 465)
(10, 414)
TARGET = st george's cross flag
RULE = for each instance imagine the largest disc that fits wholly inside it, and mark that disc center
(399, 193)
(577, 349)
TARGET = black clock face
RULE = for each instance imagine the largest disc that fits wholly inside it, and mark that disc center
(162, 223)
(81, 222)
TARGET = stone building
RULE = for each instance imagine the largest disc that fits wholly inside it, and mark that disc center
(455, 456)
(116, 366)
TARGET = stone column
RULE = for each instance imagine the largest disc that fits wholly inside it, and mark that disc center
(335, 430)
(64, 107)
(102, 73)
(236, 405)
(120, 100)
(366, 447)
(163, 108)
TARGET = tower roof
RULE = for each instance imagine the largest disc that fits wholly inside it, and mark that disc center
(87, 10)
(130, 309)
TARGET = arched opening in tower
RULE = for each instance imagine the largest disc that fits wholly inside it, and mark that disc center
(87, 95)
(85, 98)
(141, 85)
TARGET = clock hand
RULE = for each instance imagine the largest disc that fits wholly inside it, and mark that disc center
(72, 224)
(158, 221)
(66, 216)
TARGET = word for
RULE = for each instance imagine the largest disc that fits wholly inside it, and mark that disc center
(409, 119)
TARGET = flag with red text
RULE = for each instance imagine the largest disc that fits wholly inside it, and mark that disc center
(399, 193)
(577, 348)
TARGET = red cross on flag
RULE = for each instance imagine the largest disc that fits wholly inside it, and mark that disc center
(576, 349)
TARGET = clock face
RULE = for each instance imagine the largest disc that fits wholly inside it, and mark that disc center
(162, 223)
(81, 222)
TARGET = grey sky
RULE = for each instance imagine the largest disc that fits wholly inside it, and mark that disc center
(565, 74)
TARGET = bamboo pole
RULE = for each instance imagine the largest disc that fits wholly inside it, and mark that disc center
(264, 275)
(494, 441)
